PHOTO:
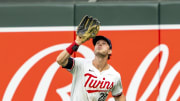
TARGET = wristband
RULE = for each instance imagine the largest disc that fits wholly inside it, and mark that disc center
(73, 47)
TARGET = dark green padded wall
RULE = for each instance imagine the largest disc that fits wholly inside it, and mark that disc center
(119, 13)
(37, 14)
(170, 12)
(69, 14)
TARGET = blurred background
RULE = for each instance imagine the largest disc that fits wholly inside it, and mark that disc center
(5, 1)
(34, 32)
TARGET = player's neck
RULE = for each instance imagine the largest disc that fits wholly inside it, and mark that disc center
(100, 63)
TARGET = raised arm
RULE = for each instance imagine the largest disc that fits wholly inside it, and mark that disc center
(63, 57)
(88, 28)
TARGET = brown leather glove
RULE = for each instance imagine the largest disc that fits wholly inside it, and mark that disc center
(88, 28)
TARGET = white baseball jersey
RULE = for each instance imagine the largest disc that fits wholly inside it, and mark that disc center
(89, 84)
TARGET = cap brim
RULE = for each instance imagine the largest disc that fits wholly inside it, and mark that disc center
(97, 38)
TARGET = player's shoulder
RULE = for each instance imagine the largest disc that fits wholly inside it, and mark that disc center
(80, 59)
(114, 72)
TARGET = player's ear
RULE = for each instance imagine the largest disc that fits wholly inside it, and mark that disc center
(110, 51)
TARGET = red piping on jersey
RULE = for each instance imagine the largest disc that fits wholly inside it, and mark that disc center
(92, 91)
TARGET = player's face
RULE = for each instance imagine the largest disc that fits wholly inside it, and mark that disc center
(102, 48)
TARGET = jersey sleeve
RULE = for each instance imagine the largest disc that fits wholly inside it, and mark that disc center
(117, 89)
(77, 65)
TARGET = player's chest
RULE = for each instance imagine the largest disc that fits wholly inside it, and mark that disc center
(93, 79)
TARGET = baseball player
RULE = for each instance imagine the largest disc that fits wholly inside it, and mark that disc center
(92, 79)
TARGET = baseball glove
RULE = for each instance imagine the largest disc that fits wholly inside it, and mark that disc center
(88, 28)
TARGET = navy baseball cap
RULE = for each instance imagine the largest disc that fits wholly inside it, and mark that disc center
(102, 38)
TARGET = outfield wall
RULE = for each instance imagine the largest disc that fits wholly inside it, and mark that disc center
(145, 40)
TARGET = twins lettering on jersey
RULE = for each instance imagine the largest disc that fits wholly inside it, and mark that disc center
(98, 85)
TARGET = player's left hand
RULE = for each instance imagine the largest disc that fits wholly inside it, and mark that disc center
(88, 28)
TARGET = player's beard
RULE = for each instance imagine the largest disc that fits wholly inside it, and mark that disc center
(101, 54)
